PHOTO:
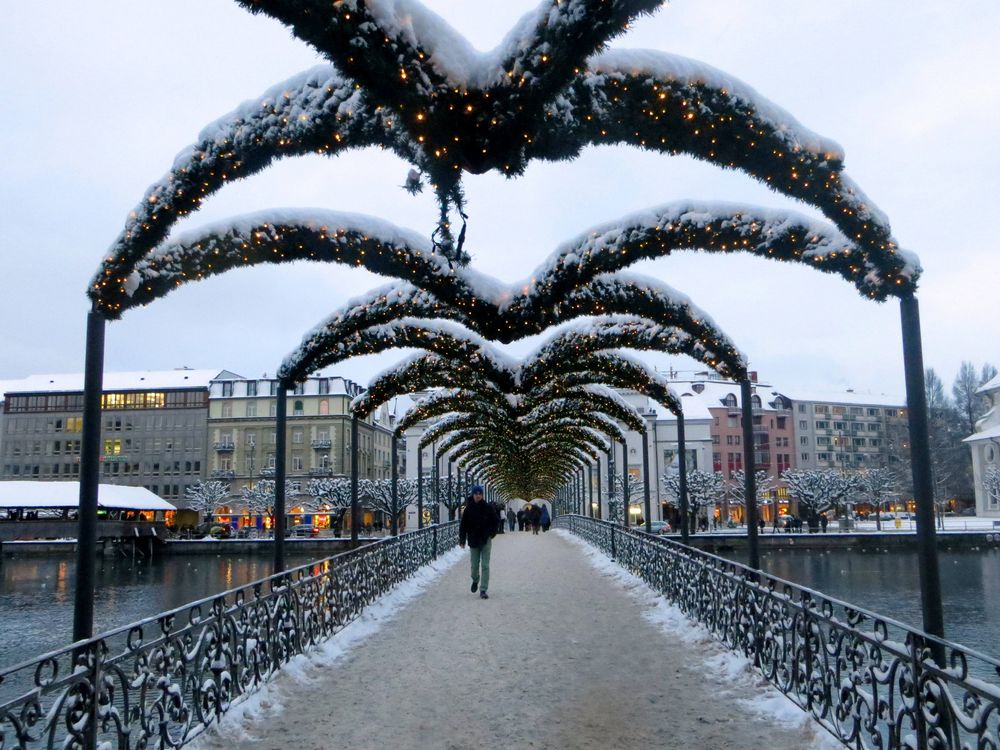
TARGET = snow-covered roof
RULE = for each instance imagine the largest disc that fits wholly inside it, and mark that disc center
(991, 385)
(990, 434)
(844, 396)
(67, 495)
(114, 381)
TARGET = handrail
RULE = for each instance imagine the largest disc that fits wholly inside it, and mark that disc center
(162, 680)
(871, 681)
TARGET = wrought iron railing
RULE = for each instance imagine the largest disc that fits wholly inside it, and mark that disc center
(160, 682)
(871, 681)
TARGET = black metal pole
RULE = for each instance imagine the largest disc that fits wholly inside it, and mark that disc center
(280, 445)
(590, 490)
(436, 482)
(451, 497)
(611, 476)
(626, 500)
(920, 463)
(90, 474)
(682, 467)
(355, 505)
(394, 521)
(749, 469)
(645, 482)
(420, 485)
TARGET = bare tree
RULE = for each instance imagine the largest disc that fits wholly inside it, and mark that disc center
(763, 485)
(259, 499)
(378, 495)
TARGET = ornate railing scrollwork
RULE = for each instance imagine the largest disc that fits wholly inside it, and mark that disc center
(160, 682)
(869, 680)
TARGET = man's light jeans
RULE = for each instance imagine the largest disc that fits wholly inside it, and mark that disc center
(480, 557)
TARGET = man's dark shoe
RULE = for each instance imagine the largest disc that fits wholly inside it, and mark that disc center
(483, 595)
(475, 587)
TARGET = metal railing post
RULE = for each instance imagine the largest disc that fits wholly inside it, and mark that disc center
(749, 474)
(280, 447)
(920, 463)
(355, 505)
(682, 467)
(420, 486)
(90, 468)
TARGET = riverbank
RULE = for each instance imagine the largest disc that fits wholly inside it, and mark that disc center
(318, 547)
(869, 541)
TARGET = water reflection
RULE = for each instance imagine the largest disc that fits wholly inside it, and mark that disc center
(36, 594)
(888, 583)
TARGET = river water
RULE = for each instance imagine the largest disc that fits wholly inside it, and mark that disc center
(36, 594)
(888, 583)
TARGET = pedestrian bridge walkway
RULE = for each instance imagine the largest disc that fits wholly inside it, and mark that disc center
(562, 655)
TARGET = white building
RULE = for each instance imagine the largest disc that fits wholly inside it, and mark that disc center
(985, 446)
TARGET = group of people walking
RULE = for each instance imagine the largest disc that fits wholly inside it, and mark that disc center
(481, 521)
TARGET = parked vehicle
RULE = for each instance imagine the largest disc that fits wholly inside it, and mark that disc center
(660, 527)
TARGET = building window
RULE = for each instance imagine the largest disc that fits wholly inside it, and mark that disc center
(299, 389)
(729, 400)
(251, 387)
(298, 410)
(296, 463)
(297, 437)
(324, 406)
(251, 438)
(840, 425)
(227, 411)
(804, 456)
(324, 386)
(227, 389)
(715, 439)
(251, 408)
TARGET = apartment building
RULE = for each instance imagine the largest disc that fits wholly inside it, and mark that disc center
(242, 438)
(847, 430)
(152, 436)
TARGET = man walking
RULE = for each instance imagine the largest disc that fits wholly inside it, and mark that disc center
(478, 527)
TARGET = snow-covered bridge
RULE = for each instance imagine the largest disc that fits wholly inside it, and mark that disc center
(568, 652)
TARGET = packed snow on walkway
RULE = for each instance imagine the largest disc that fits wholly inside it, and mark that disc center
(243, 721)
(767, 701)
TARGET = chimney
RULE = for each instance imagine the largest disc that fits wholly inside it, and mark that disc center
(753, 376)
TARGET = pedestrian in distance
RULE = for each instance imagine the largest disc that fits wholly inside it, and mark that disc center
(544, 518)
(536, 519)
(511, 519)
(477, 528)
(823, 521)
(520, 519)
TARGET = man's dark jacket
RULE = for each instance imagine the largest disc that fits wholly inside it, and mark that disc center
(479, 523)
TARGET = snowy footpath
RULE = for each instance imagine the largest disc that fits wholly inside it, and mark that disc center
(568, 652)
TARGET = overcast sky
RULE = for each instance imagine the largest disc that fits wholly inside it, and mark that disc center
(98, 98)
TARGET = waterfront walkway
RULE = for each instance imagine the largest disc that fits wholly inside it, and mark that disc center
(560, 656)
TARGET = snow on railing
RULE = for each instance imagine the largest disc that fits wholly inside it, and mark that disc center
(871, 681)
(162, 681)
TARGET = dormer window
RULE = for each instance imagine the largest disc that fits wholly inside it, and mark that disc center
(730, 400)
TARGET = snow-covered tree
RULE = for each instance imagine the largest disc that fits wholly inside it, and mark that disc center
(377, 495)
(763, 484)
(205, 497)
(259, 499)
(879, 487)
(819, 490)
(330, 495)
(704, 488)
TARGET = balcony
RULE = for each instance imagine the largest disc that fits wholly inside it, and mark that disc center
(267, 472)
(224, 446)
(321, 471)
(322, 444)
(222, 474)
